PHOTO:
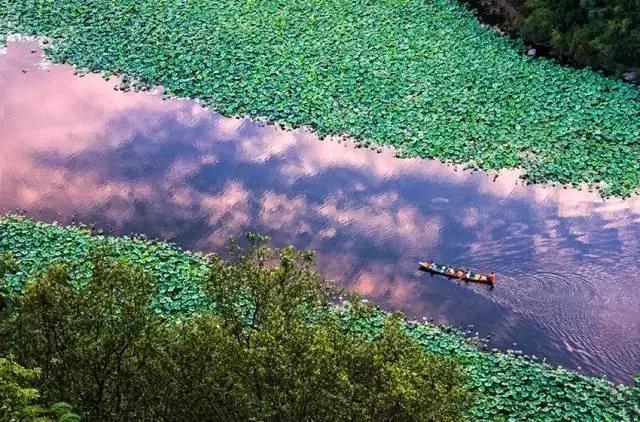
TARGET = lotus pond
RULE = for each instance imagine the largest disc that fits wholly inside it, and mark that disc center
(74, 149)
(422, 76)
(503, 385)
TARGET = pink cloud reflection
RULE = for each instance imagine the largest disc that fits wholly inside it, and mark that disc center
(46, 115)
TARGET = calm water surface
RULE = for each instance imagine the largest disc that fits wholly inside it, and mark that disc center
(73, 149)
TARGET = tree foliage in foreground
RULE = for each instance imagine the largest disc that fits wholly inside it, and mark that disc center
(16, 393)
(18, 397)
(270, 352)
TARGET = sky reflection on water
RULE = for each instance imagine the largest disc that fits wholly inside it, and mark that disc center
(73, 149)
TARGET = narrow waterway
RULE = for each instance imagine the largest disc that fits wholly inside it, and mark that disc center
(74, 149)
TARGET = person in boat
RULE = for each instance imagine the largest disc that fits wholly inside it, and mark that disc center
(467, 274)
(460, 274)
(432, 266)
(491, 277)
(451, 271)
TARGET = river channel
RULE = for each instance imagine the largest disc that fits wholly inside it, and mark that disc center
(73, 149)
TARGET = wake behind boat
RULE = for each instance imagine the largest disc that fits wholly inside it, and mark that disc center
(457, 273)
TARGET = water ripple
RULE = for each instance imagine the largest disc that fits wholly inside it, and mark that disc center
(567, 262)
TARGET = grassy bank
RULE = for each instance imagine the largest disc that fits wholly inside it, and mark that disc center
(503, 385)
(420, 75)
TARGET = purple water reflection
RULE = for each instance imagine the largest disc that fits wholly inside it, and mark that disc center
(73, 149)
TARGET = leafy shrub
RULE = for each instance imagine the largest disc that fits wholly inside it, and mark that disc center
(604, 35)
(295, 352)
(94, 343)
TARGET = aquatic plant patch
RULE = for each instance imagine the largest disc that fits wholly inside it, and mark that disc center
(504, 386)
(420, 75)
(36, 246)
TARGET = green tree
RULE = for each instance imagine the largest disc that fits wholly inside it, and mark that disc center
(275, 348)
(93, 343)
(18, 397)
(603, 34)
(302, 361)
(7, 264)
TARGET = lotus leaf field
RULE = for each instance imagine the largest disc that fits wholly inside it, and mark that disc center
(422, 76)
(504, 385)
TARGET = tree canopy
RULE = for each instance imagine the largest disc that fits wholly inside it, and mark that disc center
(604, 34)
(269, 351)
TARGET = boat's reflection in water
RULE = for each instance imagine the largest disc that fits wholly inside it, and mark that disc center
(567, 262)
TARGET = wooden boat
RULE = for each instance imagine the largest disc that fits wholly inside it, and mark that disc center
(443, 270)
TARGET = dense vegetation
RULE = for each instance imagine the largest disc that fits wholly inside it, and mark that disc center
(600, 34)
(181, 286)
(420, 75)
(18, 397)
(603, 34)
(271, 351)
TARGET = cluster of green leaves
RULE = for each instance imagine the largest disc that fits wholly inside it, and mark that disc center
(19, 397)
(420, 75)
(7, 24)
(603, 34)
(16, 394)
(502, 385)
(276, 355)
(508, 385)
(8, 264)
(177, 274)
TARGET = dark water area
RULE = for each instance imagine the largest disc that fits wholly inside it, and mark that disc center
(74, 149)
